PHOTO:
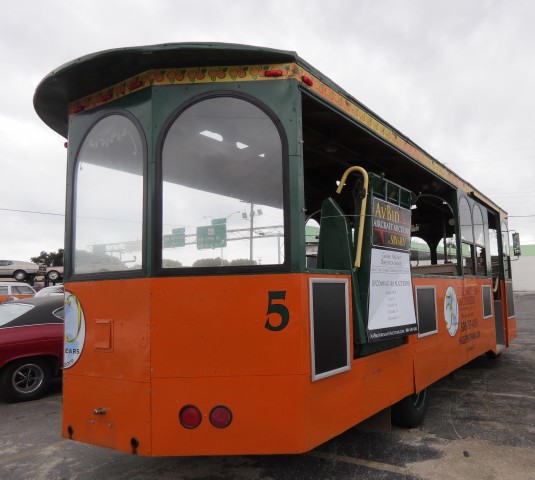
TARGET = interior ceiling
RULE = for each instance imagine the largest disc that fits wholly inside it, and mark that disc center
(330, 138)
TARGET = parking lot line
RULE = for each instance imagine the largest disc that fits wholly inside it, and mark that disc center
(386, 467)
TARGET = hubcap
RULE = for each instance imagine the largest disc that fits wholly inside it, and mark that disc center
(28, 378)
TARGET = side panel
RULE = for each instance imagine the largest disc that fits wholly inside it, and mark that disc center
(463, 331)
(374, 382)
(113, 371)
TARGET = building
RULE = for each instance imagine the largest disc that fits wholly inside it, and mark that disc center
(523, 268)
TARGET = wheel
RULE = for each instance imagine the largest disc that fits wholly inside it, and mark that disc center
(411, 411)
(493, 355)
(25, 379)
(19, 275)
(53, 275)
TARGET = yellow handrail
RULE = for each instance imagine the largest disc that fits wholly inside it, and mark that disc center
(364, 174)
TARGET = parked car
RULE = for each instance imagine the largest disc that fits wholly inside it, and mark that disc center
(54, 290)
(53, 274)
(15, 289)
(20, 270)
(31, 346)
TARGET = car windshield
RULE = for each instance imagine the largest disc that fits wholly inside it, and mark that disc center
(10, 311)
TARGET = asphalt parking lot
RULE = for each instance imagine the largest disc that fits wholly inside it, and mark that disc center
(480, 425)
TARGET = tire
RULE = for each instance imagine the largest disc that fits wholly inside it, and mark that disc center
(20, 275)
(25, 379)
(492, 355)
(410, 412)
(53, 275)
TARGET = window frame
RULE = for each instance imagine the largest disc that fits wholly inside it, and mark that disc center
(468, 242)
(483, 245)
(158, 208)
(69, 270)
(472, 244)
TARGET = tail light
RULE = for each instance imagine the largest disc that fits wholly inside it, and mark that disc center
(220, 416)
(190, 416)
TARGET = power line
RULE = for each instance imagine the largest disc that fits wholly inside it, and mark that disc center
(31, 211)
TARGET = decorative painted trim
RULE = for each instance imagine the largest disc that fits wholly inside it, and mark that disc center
(251, 73)
(182, 76)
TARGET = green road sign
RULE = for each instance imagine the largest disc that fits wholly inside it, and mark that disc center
(212, 236)
(175, 239)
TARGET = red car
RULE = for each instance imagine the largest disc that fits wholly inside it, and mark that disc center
(31, 346)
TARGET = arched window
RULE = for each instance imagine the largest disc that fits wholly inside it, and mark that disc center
(222, 186)
(467, 237)
(506, 250)
(108, 203)
(479, 241)
(465, 218)
(420, 252)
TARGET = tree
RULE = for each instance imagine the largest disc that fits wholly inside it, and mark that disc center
(52, 259)
(167, 263)
(210, 262)
(243, 261)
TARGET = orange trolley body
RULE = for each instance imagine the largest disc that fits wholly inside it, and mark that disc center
(276, 344)
(167, 347)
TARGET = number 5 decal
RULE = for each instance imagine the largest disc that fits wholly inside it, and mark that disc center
(277, 309)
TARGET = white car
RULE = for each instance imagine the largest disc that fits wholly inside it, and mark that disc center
(20, 270)
(15, 289)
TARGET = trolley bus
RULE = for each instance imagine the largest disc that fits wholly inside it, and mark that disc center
(255, 262)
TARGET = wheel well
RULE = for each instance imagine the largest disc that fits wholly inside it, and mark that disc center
(52, 362)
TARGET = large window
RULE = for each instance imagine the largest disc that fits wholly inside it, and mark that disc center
(506, 250)
(109, 198)
(479, 241)
(467, 237)
(473, 242)
(222, 187)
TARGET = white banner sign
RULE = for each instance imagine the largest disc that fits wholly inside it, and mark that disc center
(391, 307)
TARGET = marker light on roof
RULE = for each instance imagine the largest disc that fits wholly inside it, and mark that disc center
(273, 73)
(307, 80)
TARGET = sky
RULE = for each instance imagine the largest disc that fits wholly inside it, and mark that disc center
(457, 77)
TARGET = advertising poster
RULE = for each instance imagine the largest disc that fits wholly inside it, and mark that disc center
(391, 304)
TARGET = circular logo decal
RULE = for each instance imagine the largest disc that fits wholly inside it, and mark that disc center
(74, 336)
(451, 311)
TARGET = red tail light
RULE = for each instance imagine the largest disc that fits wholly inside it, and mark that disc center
(190, 416)
(220, 416)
